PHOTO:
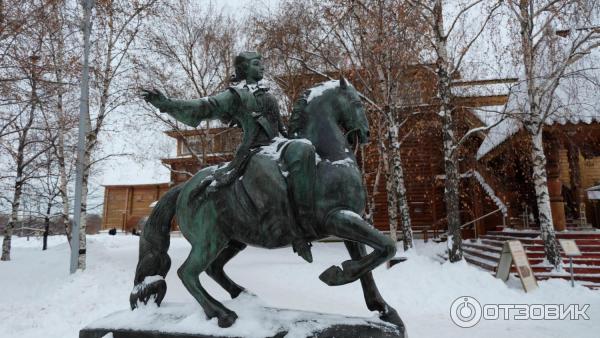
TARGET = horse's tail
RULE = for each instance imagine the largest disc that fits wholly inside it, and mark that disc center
(154, 262)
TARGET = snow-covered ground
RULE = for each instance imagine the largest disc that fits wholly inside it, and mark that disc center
(40, 299)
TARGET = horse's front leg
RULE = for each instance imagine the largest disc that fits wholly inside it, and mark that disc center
(350, 226)
(372, 296)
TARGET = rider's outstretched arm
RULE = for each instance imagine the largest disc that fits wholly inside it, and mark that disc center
(192, 112)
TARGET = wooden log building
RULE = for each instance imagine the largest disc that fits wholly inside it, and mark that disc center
(126, 205)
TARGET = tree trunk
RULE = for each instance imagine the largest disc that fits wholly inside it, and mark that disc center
(451, 165)
(47, 225)
(400, 188)
(452, 186)
(392, 204)
(538, 160)
(8, 230)
(371, 198)
(391, 188)
(534, 124)
(19, 180)
(407, 232)
(63, 129)
(62, 163)
(81, 263)
(63, 184)
(375, 190)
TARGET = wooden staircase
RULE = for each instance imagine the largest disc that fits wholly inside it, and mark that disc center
(485, 253)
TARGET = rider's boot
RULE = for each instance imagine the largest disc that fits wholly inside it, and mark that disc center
(302, 248)
(305, 221)
(300, 162)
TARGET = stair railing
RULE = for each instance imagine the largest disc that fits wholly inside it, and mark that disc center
(480, 218)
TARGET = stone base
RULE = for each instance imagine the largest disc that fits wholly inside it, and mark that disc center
(188, 321)
(336, 331)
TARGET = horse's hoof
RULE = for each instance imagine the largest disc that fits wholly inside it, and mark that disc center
(392, 317)
(396, 260)
(227, 319)
(332, 276)
(143, 292)
(237, 292)
(248, 294)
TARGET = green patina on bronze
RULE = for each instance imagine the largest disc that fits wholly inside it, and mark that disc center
(275, 193)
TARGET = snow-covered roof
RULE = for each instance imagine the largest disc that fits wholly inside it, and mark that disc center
(479, 89)
(594, 188)
(503, 127)
(578, 96)
(576, 101)
(493, 56)
(511, 125)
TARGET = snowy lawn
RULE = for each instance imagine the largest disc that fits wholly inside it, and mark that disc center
(40, 298)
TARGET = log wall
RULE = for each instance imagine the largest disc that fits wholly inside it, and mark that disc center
(125, 205)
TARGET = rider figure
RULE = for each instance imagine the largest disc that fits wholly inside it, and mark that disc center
(251, 106)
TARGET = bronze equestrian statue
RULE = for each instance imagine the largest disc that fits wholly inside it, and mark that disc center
(275, 193)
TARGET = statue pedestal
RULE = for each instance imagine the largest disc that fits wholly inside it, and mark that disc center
(173, 320)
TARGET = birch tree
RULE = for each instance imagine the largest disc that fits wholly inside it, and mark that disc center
(553, 38)
(373, 42)
(385, 42)
(64, 50)
(452, 31)
(116, 25)
(23, 142)
(45, 189)
(36, 54)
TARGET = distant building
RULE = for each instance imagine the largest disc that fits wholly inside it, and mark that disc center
(126, 205)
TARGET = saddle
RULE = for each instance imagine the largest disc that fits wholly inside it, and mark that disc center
(222, 177)
(227, 174)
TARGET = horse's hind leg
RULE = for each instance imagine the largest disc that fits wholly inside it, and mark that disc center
(200, 257)
(215, 269)
(350, 226)
(372, 296)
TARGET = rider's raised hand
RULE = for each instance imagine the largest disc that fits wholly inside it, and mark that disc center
(154, 96)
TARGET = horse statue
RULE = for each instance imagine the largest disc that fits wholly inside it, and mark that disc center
(256, 210)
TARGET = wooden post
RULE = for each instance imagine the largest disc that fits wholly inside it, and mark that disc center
(105, 207)
(127, 212)
(123, 218)
(478, 208)
(582, 216)
(575, 178)
(557, 204)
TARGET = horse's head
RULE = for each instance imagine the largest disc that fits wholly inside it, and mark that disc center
(334, 101)
(351, 114)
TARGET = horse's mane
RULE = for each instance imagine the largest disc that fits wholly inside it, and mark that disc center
(299, 115)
